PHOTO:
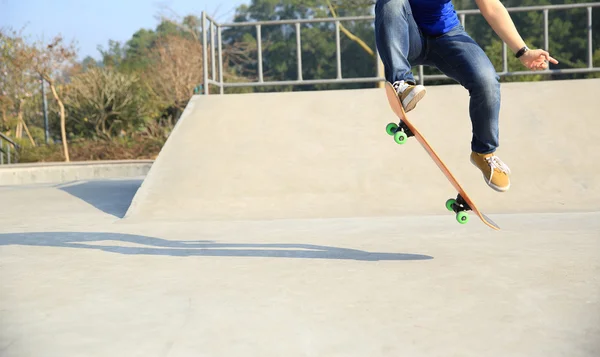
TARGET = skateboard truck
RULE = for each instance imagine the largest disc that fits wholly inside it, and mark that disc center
(401, 132)
(459, 206)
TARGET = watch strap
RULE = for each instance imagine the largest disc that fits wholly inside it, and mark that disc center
(522, 51)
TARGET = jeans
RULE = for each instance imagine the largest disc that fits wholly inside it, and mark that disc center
(401, 45)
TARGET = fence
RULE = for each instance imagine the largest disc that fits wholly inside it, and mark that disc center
(214, 76)
(8, 150)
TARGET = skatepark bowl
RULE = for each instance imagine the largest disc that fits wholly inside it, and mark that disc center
(291, 224)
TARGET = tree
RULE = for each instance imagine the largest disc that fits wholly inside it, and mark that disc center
(318, 41)
(17, 85)
(107, 102)
(46, 61)
(114, 55)
(176, 69)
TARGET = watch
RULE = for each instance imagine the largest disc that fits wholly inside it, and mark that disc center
(522, 51)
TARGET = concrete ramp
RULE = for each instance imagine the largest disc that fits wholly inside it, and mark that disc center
(326, 154)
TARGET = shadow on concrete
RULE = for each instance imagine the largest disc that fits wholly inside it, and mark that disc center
(157, 246)
(110, 196)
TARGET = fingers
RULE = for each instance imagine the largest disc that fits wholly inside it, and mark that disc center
(537, 66)
(546, 55)
(540, 60)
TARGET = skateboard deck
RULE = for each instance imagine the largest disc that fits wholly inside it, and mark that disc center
(405, 129)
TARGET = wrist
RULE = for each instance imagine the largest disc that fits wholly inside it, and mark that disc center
(521, 51)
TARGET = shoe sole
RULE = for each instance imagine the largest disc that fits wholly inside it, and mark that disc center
(413, 103)
(494, 187)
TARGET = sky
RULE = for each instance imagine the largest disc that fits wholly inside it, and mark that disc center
(93, 23)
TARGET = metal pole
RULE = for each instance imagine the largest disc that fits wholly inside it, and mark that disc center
(1, 153)
(204, 53)
(338, 50)
(220, 42)
(546, 39)
(260, 59)
(212, 51)
(589, 23)
(45, 109)
(299, 51)
(504, 58)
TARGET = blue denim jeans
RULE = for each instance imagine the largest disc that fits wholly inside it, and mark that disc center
(401, 45)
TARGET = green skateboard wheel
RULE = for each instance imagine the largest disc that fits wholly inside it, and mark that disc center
(449, 204)
(400, 137)
(391, 128)
(462, 217)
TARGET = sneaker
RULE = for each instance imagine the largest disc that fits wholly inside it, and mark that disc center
(409, 94)
(495, 172)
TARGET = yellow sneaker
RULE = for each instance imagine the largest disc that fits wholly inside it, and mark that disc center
(409, 94)
(495, 172)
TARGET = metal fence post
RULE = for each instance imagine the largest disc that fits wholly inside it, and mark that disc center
(379, 78)
(220, 44)
(204, 53)
(590, 49)
(299, 51)
(338, 50)
(213, 52)
(259, 49)
(504, 58)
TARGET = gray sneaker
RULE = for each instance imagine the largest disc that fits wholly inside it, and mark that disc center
(409, 94)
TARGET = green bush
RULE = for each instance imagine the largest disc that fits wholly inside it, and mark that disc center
(138, 148)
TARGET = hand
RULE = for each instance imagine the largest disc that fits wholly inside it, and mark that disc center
(537, 60)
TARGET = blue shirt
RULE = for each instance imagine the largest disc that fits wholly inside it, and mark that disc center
(434, 17)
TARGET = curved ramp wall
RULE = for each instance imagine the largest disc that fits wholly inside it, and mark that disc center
(326, 154)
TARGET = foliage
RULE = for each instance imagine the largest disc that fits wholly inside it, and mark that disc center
(176, 69)
(106, 103)
(47, 61)
(18, 84)
(136, 148)
(125, 104)
(318, 52)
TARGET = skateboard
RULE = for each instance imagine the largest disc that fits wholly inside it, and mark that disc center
(404, 130)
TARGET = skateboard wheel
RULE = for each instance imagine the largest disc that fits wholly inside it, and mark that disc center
(449, 204)
(391, 128)
(462, 217)
(400, 137)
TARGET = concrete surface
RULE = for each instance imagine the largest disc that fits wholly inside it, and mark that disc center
(78, 277)
(61, 172)
(301, 155)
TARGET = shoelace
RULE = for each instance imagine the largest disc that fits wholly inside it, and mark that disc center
(400, 86)
(495, 163)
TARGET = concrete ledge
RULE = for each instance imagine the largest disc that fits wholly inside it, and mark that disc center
(60, 172)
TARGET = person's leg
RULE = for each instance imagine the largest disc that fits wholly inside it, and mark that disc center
(458, 56)
(400, 46)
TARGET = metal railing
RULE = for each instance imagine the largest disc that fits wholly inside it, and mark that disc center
(6, 150)
(212, 32)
